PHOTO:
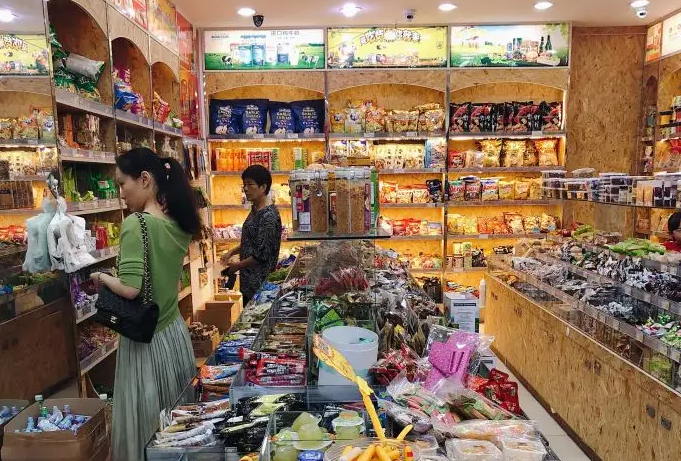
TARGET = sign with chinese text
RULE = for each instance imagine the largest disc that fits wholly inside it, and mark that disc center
(24, 55)
(671, 35)
(654, 42)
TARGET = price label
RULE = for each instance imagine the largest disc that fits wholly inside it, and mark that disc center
(537, 133)
(665, 304)
(411, 134)
(292, 135)
(31, 141)
(662, 348)
(259, 136)
(484, 236)
(369, 135)
(626, 289)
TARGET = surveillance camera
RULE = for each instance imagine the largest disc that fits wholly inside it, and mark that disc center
(641, 13)
(258, 19)
(409, 15)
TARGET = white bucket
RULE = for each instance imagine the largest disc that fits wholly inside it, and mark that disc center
(359, 346)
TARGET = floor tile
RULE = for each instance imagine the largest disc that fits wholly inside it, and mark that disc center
(566, 449)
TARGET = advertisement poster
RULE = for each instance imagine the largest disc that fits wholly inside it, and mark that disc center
(264, 49)
(185, 38)
(671, 35)
(133, 9)
(24, 55)
(387, 47)
(189, 100)
(163, 22)
(654, 42)
(539, 45)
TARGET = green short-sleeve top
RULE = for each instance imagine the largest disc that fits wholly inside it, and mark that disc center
(167, 248)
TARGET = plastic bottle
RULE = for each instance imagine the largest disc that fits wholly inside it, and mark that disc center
(14, 411)
(67, 410)
(43, 408)
(30, 424)
(482, 291)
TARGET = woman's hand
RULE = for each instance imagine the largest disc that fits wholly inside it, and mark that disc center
(96, 278)
(231, 268)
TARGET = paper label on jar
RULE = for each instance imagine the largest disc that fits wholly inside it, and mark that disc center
(304, 222)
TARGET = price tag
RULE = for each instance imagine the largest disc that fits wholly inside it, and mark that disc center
(292, 135)
(483, 236)
(258, 136)
(662, 348)
(665, 304)
(626, 289)
(369, 135)
(537, 133)
(411, 134)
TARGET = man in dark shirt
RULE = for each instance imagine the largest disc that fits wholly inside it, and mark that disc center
(260, 235)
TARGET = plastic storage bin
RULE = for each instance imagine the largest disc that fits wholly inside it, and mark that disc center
(522, 449)
(472, 450)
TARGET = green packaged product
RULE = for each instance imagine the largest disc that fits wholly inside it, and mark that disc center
(65, 80)
(87, 88)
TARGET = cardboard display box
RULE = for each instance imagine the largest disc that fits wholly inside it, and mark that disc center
(92, 442)
(219, 313)
(205, 347)
(20, 404)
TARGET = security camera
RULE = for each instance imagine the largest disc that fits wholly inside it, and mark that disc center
(258, 19)
(641, 13)
(409, 15)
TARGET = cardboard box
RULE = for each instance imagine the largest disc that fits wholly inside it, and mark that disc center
(205, 347)
(463, 310)
(234, 296)
(20, 404)
(219, 313)
(92, 442)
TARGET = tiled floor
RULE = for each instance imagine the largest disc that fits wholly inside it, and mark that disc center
(564, 447)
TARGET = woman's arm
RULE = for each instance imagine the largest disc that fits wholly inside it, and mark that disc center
(114, 284)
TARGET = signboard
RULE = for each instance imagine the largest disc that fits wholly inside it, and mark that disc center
(671, 35)
(654, 42)
(387, 47)
(189, 103)
(163, 22)
(136, 10)
(539, 45)
(185, 33)
(24, 55)
(264, 49)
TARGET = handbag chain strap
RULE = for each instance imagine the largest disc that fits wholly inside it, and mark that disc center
(147, 289)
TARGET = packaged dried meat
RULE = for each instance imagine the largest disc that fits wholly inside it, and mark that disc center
(460, 117)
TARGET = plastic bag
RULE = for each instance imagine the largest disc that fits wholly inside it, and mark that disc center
(84, 66)
(471, 405)
(492, 431)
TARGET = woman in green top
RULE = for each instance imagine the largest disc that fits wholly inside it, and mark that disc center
(150, 377)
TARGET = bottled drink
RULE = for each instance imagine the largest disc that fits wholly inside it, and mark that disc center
(548, 46)
(541, 45)
(43, 408)
(67, 410)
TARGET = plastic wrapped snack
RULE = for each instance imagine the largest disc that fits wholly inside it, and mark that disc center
(375, 120)
(7, 125)
(472, 450)
(491, 149)
(309, 115)
(522, 190)
(87, 87)
(435, 153)
(282, 119)
(530, 158)
(514, 221)
(473, 189)
(412, 120)
(457, 191)
(388, 192)
(27, 128)
(493, 431)
(514, 152)
(536, 191)
(490, 189)
(160, 108)
(547, 223)
(65, 80)
(547, 153)
(506, 190)
(337, 120)
(224, 116)
(474, 159)
(531, 224)
(400, 120)
(354, 120)
(84, 66)
(460, 116)
(431, 120)
(522, 449)
(456, 159)
(552, 115)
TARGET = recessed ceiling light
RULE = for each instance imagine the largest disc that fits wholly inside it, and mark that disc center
(6, 15)
(639, 3)
(350, 10)
(246, 12)
(447, 7)
(542, 6)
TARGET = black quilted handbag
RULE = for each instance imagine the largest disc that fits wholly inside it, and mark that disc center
(135, 319)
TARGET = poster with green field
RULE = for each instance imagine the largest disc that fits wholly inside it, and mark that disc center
(535, 45)
(264, 49)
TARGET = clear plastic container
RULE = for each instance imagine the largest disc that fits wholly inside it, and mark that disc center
(358, 196)
(342, 203)
(334, 453)
(319, 201)
(522, 449)
(293, 182)
(472, 450)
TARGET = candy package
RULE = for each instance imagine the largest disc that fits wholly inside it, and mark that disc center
(460, 116)
(547, 151)
(281, 117)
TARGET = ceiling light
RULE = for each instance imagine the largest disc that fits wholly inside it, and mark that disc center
(6, 15)
(350, 10)
(542, 6)
(246, 12)
(639, 3)
(447, 7)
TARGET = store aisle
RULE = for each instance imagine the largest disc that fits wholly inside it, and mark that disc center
(559, 441)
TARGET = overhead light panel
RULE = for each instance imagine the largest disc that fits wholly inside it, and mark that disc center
(447, 7)
(350, 10)
(6, 15)
(639, 3)
(246, 12)
(542, 6)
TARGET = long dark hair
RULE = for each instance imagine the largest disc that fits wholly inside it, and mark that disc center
(174, 193)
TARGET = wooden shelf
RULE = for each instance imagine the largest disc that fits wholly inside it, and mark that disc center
(96, 357)
(267, 137)
(406, 136)
(481, 203)
(70, 154)
(76, 103)
(134, 120)
(529, 135)
(411, 205)
(493, 236)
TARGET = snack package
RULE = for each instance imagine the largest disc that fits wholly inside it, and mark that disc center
(547, 223)
(435, 153)
(404, 195)
(27, 128)
(530, 158)
(225, 115)
(536, 191)
(552, 116)
(514, 222)
(547, 151)
(491, 149)
(413, 120)
(65, 80)
(460, 117)
(457, 191)
(472, 449)
(501, 112)
(282, 119)
(338, 152)
(388, 192)
(522, 117)
(160, 108)
(354, 120)
(309, 115)
(414, 157)
(374, 120)
(493, 431)
(431, 120)
(478, 117)
(456, 159)
(435, 190)
(514, 152)
(474, 159)
(490, 189)
(337, 120)
(506, 190)
(531, 225)
(358, 149)
(46, 123)
(81, 65)
(87, 88)
(473, 189)
(420, 194)
(253, 115)
(400, 121)
(7, 125)
(522, 190)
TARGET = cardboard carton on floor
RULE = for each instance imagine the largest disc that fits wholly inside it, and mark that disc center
(91, 443)
(205, 347)
(219, 313)
(9, 403)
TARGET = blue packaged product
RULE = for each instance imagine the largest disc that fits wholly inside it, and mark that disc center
(281, 117)
(310, 456)
(253, 115)
(225, 115)
(66, 423)
(258, 54)
(309, 115)
(124, 100)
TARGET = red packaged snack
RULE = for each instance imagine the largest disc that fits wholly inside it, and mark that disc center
(552, 116)
(456, 159)
(459, 122)
(278, 367)
(479, 113)
(522, 117)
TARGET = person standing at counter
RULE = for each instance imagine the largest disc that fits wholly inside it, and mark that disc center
(260, 234)
(674, 228)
